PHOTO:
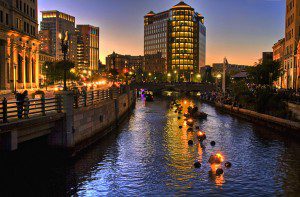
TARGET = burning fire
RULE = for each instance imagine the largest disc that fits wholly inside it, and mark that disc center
(201, 134)
(216, 159)
(190, 120)
(220, 157)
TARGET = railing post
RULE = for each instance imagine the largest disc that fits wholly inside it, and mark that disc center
(4, 105)
(85, 99)
(92, 97)
(76, 100)
(98, 94)
(59, 103)
(26, 107)
(43, 105)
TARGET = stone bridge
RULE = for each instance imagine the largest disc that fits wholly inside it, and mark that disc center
(177, 87)
(68, 121)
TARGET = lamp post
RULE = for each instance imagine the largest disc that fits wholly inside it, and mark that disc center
(191, 76)
(198, 77)
(46, 83)
(64, 49)
(113, 69)
(176, 75)
(169, 77)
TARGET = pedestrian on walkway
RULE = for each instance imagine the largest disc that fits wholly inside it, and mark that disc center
(20, 103)
(26, 104)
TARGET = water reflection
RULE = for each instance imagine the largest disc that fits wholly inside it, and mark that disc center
(149, 156)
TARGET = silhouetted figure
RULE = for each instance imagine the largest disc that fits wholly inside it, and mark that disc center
(20, 102)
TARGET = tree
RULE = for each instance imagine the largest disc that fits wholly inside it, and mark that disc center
(266, 73)
(54, 71)
(207, 76)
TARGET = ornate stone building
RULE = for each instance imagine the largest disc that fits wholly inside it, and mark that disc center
(19, 46)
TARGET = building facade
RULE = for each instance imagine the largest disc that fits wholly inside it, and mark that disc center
(155, 63)
(292, 31)
(278, 55)
(19, 45)
(180, 35)
(58, 23)
(267, 57)
(45, 39)
(132, 63)
(87, 47)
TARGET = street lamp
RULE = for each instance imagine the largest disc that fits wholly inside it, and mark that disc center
(176, 75)
(64, 49)
(191, 74)
(46, 83)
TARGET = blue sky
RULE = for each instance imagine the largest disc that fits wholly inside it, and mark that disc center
(237, 29)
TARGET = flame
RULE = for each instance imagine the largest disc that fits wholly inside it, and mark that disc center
(190, 120)
(220, 156)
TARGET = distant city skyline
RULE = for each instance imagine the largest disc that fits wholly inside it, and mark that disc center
(239, 30)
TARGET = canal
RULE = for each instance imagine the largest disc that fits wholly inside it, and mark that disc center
(149, 155)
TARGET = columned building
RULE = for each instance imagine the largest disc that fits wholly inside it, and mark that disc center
(180, 35)
(292, 31)
(58, 23)
(87, 47)
(19, 46)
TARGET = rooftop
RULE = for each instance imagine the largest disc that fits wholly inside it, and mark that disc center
(181, 4)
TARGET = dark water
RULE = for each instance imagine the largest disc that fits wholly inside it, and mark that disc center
(150, 156)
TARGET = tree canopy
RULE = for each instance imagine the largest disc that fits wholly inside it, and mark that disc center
(266, 73)
(54, 71)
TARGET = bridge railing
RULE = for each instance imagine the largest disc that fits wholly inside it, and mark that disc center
(91, 97)
(11, 110)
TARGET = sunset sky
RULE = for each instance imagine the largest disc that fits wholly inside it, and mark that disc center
(237, 29)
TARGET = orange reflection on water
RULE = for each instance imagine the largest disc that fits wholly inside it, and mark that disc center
(200, 152)
(218, 179)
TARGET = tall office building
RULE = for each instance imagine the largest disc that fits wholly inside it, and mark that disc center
(87, 47)
(45, 39)
(57, 23)
(292, 34)
(19, 46)
(180, 35)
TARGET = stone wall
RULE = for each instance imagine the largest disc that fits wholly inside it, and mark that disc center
(91, 120)
(95, 121)
(277, 124)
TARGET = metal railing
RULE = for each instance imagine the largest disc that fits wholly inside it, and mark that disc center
(85, 99)
(11, 110)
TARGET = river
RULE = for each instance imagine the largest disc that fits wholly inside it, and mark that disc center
(149, 156)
